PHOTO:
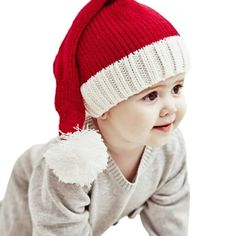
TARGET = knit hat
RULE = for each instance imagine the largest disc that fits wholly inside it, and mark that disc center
(113, 50)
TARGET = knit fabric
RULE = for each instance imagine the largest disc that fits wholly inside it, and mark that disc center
(37, 203)
(113, 50)
(134, 73)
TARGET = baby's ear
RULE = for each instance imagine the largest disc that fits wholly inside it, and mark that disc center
(104, 116)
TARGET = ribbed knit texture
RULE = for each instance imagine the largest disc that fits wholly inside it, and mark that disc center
(113, 50)
(134, 73)
(116, 31)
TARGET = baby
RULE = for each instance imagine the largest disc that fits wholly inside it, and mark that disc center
(119, 74)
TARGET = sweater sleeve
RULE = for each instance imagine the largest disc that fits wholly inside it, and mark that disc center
(57, 208)
(166, 212)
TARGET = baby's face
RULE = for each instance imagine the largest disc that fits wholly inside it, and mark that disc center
(149, 117)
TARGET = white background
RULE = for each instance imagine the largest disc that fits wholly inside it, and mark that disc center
(30, 35)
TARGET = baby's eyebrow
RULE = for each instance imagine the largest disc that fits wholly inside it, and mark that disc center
(179, 81)
(160, 85)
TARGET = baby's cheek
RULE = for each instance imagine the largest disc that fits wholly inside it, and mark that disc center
(180, 115)
(182, 111)
(142, 126)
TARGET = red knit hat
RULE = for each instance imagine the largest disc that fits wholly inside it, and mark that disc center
(113, 50)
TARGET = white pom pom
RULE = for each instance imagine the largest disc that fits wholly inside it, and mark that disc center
(78, 158)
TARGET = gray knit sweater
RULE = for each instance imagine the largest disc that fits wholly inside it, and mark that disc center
(37, 204)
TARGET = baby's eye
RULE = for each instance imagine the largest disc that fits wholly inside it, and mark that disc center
(177, 88)
(151, 96)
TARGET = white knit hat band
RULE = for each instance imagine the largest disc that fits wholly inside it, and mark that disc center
(134, 73)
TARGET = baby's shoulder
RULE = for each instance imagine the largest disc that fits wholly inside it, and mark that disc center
(30, 158)
(69, 159)
(77, 158)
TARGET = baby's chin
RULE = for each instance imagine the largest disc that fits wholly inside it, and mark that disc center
(157, 145)
(159, 142)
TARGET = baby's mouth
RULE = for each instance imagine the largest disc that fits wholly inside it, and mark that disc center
(164, 128)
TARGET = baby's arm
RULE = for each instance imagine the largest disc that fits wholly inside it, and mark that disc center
(57, 208)
(37, 204)
(167, 210)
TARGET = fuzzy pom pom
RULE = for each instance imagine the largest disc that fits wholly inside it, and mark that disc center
(77, 158)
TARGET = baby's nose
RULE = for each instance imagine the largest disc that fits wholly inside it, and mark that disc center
(168, 108)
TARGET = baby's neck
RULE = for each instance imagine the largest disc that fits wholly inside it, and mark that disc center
(128, 162)
(126, 157)
(120, 153)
